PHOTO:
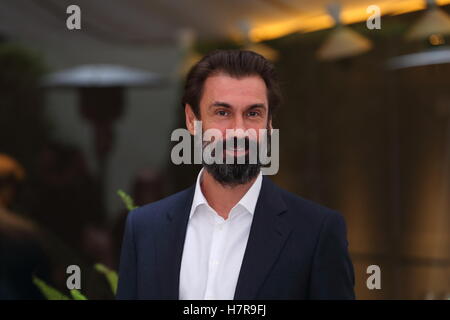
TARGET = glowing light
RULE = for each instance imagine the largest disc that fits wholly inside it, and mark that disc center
(436, 39)
(321, 20)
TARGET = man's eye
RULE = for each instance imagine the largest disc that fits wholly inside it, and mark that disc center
(222, 113)
(253, 113)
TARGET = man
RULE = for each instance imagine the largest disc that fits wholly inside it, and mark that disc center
(234, 234)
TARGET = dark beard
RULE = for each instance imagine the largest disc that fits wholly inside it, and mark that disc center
(233, 174)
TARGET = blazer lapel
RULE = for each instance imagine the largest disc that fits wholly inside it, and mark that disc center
(169, 249)
(268, 234)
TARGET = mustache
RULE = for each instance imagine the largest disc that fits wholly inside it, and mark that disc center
(233, 143)
(243, 150)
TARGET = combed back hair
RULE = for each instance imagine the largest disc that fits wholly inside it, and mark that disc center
(237, 64)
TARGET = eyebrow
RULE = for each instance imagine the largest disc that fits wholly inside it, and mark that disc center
(227, 105)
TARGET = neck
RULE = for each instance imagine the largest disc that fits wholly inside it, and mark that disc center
(222, 198)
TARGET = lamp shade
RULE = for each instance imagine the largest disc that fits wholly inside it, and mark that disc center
(343, 42)
(101, 75)
(434, 21)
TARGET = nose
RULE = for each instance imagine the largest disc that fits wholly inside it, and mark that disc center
(239, 127)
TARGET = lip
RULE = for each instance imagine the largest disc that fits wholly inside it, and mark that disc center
(236, 152)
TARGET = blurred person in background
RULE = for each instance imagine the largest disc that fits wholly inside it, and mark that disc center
(22, 252)
(67, 198)
(29, 249)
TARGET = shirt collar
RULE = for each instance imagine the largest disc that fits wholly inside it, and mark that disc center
(248, 201)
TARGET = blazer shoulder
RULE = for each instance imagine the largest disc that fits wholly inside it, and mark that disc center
(305, 209)
(154, 212)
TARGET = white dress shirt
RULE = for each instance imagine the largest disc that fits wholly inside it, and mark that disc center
(214, 247)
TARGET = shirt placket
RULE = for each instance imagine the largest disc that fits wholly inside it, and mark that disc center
(215, 256)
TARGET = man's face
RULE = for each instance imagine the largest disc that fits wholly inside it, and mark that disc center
(230, 103)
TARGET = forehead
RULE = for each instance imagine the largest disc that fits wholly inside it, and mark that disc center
(246, 90)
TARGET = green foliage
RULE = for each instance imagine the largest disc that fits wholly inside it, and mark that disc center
(20, 64)
(76, 295)
(110, 275)
(127, 200)
(48, 291)
(53, 294)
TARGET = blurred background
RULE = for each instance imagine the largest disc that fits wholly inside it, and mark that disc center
(364, 128)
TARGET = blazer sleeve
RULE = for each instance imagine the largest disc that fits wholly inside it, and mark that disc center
(332, 275)
(126, 288)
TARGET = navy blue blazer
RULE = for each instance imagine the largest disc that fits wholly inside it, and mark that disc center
(296, 249)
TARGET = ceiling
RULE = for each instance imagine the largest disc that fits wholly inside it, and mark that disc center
(157, 22)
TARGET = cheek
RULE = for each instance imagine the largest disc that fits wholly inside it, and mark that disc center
(256, 130)
(206, 125)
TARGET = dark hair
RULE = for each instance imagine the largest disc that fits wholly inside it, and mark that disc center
(237, 64)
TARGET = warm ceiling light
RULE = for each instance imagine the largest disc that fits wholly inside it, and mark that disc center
(264, 50)
(434, 22)
(431, 27)
(343, 42)
(317, 20)
(260, 48)
(436, 39)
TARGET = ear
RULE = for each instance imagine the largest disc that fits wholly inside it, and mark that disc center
(269, 124)
(190, 118)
